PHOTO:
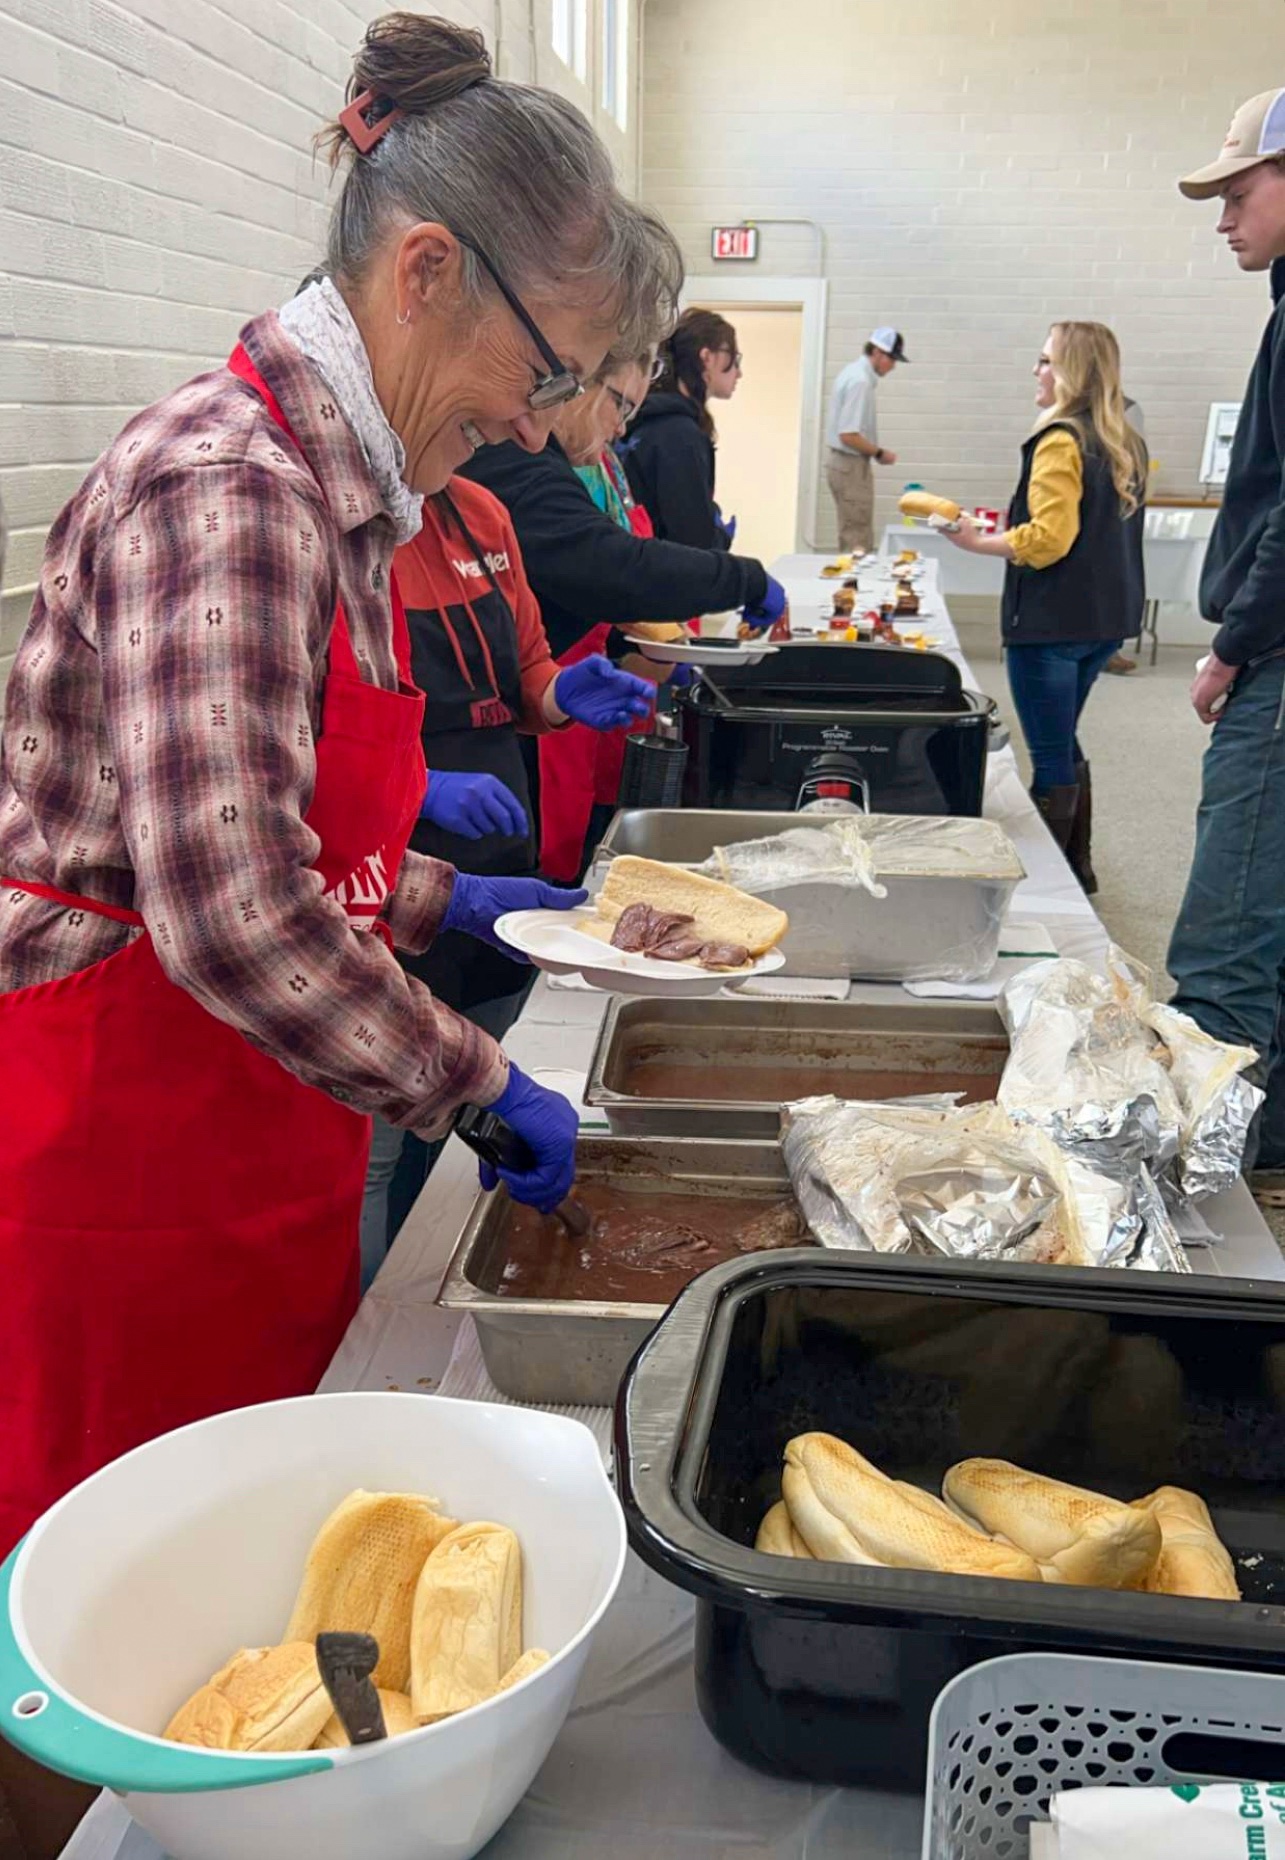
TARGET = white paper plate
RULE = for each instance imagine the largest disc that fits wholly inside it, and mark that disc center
(702, 651)
(553, 942)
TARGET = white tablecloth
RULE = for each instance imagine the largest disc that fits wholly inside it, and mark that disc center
(635, 1774)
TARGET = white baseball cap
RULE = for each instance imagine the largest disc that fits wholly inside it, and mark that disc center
(1257, 133)
(890, 341)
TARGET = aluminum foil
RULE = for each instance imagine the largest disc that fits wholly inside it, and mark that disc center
(1122, 1082)
(966, 1182)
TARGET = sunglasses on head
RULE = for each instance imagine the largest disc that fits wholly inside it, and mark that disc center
(557, 387)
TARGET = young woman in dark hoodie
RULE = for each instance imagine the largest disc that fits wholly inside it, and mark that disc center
(669, 454)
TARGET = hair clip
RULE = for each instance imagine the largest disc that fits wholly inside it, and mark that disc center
(362, 134)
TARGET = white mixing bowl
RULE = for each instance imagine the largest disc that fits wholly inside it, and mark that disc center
(140, 1583)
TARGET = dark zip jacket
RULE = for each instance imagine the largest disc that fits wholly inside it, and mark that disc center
(584, 569)
(670, 463)
(1242, 587)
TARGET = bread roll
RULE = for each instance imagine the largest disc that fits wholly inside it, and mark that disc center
(924, 504)
(467, 1629)
(662, 632)
(777, 1535)
(398, 1718)
(265, 1698)
(1193, 1559)
(1074, 1535)
(722, 913)
(846, 1509)
(530, 1662)
(361, 1574)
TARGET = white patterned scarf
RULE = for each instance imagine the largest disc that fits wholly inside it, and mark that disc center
(321, 326)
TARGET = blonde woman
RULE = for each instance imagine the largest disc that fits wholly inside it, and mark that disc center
(1073, 589)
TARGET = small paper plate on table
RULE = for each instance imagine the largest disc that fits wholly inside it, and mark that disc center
(554, 942)
(702, 651)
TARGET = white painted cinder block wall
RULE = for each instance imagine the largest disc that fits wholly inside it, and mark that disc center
(157, 188)
(978, 171)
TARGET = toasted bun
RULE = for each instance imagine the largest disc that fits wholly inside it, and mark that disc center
(1193, 1559)
(1074, 1535)
(663, 632)
(846, 1509)
(924, 504)
(265, 1698)
(777, 1535)
(398, 1719)
(722, 913)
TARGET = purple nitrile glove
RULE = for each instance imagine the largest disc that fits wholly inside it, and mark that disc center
(476, 903)
(726, 524)
(472, 805)
(597, 693)
(548, 1125)
(769, 609)
(682, 676)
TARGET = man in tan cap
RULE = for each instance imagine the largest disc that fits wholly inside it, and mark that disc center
(1228, 950)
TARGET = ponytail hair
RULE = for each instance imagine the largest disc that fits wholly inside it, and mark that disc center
(682, 370)
(511, 169)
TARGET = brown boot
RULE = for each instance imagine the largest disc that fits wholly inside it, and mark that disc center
(1121, 665)
(1078, 853)
(1058, 806)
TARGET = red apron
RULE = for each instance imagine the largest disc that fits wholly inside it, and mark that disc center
(580, 767)
(178, 1213)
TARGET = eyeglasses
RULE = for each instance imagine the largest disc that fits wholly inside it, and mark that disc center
(625, 407)
(557, 387)
(734, 356)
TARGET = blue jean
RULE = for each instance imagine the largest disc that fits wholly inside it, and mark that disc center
(1049, 685)
(1228, 949)
(377, 1229)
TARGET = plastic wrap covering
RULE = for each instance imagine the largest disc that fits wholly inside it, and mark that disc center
(1124, 1082)
(838, 851)
(966, 1183)
(882, 897)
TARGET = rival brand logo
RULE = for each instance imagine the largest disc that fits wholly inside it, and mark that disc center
(490, 714)
(364, 892)
(495, 564)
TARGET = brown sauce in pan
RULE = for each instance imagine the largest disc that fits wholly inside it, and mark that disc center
(644, 1246)
(749, 1084)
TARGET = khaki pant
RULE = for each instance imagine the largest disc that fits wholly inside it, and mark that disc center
(851, 482)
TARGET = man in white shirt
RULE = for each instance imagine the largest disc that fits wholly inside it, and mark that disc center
(852, 435)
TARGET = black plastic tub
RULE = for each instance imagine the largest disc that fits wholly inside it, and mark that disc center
(898, 724)
(1119, 1381)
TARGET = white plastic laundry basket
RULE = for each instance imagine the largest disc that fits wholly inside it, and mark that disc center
(146, 1578)
(1005, 1735)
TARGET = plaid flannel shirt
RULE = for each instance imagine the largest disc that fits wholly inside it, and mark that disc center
(159, 739)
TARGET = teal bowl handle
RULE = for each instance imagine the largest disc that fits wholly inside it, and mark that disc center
(43, 1724)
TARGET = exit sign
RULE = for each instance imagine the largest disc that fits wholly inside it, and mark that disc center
(735, 242)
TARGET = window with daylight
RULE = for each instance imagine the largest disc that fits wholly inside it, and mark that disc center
(615, 59)
(571, 34)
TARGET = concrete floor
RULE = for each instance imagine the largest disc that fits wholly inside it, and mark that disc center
(1145, 744)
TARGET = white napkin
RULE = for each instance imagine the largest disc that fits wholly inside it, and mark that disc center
(793, 988)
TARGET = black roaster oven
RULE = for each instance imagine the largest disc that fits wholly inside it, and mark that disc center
(1119, 1381)
(882, 728)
